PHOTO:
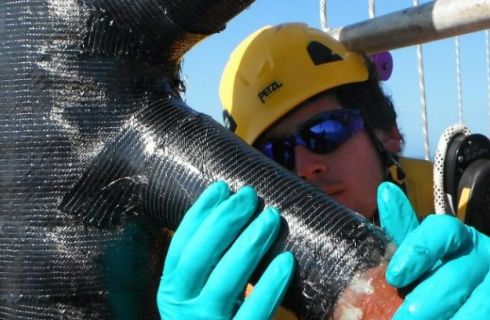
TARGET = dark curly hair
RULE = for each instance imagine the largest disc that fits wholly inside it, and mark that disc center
(369, 97)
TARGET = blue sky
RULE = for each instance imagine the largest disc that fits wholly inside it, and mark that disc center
(203, 65)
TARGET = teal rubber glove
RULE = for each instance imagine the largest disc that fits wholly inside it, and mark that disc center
(447, 261)
(212, 256)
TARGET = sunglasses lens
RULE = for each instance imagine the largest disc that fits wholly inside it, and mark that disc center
(327, 135)
(281, 151)
(323, 134)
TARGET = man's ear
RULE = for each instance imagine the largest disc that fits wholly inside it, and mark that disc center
(391, 139)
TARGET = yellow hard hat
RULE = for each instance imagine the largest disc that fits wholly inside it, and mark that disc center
(278, 67)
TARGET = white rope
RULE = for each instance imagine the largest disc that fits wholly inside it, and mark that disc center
(487, 49)
(323, 15)
(458, 81)
(443, 201)
(372, 12)
(423, 100)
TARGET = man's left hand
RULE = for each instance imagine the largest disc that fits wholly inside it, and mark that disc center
(445, 260)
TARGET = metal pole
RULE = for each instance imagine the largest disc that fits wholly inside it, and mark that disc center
(427, 22)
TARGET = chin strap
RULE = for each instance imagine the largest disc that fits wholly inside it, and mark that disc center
(395, 173)
(392, 173)
(392, 170)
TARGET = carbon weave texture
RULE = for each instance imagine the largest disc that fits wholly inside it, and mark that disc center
(98, 153)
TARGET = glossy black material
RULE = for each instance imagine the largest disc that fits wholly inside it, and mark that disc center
(98, 152)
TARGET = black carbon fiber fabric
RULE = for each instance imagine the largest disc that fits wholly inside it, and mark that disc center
(98, 153)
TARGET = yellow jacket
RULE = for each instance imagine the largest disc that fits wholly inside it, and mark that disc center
(419, 184)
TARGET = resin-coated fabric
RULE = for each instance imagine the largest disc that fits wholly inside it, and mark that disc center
(98, 153)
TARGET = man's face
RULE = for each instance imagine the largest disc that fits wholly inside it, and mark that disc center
(350, 174)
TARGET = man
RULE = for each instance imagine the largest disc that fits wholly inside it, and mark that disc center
(305, 101)
(273, 85)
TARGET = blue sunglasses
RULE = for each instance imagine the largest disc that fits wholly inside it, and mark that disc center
(322, 134)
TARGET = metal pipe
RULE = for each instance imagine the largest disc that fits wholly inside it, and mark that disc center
(428, 22)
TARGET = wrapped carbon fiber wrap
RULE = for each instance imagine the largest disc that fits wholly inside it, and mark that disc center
(98, 152)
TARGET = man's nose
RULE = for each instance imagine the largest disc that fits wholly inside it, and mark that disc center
(310, 164)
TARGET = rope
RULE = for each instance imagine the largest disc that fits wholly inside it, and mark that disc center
(487, 49)
(458, 81)
(442, 201)
(323, 15)
(371, 9)
(423, 100)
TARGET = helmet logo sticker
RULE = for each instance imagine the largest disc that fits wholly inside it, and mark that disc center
(228, 121)
(320, 54)
(269, 90)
